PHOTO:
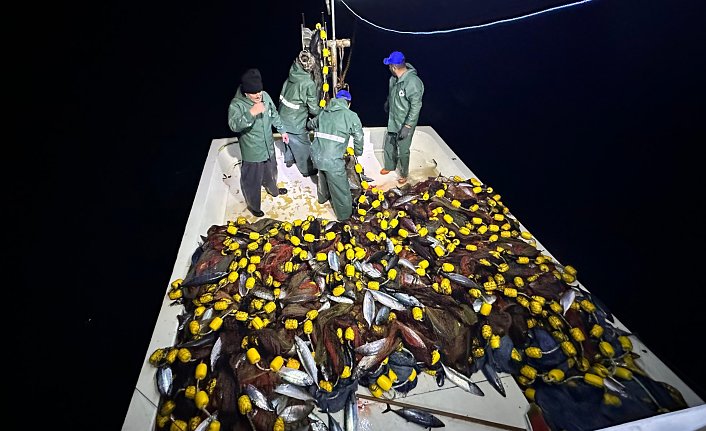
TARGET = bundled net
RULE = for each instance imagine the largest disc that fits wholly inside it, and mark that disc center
(282, 318)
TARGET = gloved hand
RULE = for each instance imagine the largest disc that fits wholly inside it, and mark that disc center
(310, 124)
(403, 133)
(386, 107)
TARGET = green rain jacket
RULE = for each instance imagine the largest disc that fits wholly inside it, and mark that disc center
(255, 133)
(404, 99)
(298, 99)
(334, 126)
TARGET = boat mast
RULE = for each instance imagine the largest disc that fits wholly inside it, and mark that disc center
(334, 46)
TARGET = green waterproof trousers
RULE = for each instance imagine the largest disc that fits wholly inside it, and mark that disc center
(300, 145)
(333, 185)
(398, 152)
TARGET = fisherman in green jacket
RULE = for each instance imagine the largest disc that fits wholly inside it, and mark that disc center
(333, 128)
(404, 101)
(252, 114)
(298, 101)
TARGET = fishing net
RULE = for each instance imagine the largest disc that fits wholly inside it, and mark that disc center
(437, 277)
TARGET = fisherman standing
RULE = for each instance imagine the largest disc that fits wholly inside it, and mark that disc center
(299, 101)
(252, 114)
(333, 128)
(404, 101)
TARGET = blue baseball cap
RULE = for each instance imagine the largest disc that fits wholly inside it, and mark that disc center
(395, 58)
(343, 94)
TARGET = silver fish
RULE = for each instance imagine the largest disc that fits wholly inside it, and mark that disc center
(567, 299)
(435, 242)
(332, 424)
(365, 363)
(352, 185)
(293, 391)
(386, 300)
(490, 299)
(370, 348)
(350, 413)
(165, 380)
(367, 269)
(333, 261)
(461, 280)
(216, 352)
(408, 300)
(258, 398)
(325, 306)
(280, 403)
(320, 283)
(207, 315)
(306, 358)
(407, 264)
(403, 200)
(203, 426)
(297, 377)
(383, 315)
(242, 290)
(392, 262)
(186, 317)
(489, 372)
(316, 423)
(462, 381)
(419, 417)
(389, 246)
(263, 294)
(615, 386)
(296, 412)
(350, 294)
(396, 191)
(341, 299)
(368, 308)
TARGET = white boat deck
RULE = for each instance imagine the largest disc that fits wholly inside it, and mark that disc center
(218, 199)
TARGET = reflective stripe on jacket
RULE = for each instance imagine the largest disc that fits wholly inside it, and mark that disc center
(333, 128)
(298, 99)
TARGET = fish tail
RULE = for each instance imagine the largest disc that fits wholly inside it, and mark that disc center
(388, 409)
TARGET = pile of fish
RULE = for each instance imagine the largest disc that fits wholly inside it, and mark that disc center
(284, 321)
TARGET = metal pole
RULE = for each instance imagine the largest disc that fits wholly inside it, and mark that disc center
(334, 51)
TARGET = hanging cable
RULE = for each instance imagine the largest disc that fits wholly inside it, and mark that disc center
(350, 53)
(470, 27)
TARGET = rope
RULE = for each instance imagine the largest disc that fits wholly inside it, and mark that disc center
(350, 53)
(470, 27)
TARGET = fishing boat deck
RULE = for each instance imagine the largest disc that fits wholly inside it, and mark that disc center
(219, 199)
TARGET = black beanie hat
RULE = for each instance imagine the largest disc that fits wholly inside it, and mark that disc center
(251, 81)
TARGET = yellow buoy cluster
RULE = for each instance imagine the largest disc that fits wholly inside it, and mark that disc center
(440, 269)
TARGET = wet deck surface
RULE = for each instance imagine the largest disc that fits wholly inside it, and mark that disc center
(301, 201)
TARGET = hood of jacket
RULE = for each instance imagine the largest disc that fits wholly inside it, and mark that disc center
(297, 73)
(336, 105)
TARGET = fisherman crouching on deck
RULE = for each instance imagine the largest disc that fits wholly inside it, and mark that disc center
(333, 128)
(252, 114)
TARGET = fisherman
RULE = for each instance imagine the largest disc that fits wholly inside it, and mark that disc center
(252, 114)
(298, 102)
(333, 128)
(404, 101)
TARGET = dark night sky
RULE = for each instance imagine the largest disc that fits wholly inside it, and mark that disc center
(585, 120)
